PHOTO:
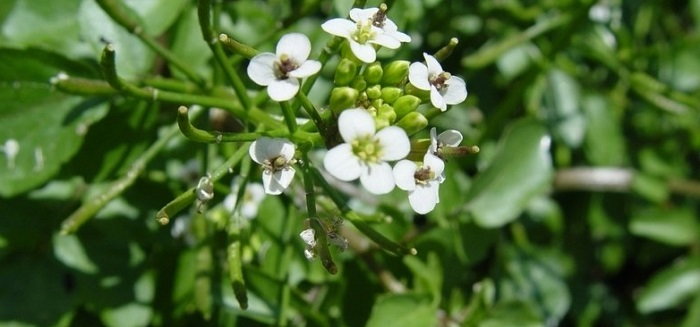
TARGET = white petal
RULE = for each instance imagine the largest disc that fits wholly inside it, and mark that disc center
(354, 123)
(436, 99)
(450, 137)
(265, 148)
(378, 178)
(400, 36)
(295, 45)
(286, 149)
(418, 76)
(278, 181)
(306, 69)
(261, 68)
(339, 27)
(256, 152)
(394, 142)
(436, 164)
(308, 236)
(256, 192)
(230, 202)
(434, 67)
(364, 52)
(342, 163)
(404, 172)
(456, 91)
(433, 139)
(249, 210)
(358, 14)
(386, 41)
(424, 198)
(283, 89)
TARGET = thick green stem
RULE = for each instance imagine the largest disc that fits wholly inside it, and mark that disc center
(313, 113)
(289, 116)
(319, 231)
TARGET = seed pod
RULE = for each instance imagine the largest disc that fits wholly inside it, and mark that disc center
(342, 98)
(413, 123)
(395, 72)
(345, 72)
(405, 105)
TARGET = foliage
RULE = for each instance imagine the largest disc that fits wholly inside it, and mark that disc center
(580, 208)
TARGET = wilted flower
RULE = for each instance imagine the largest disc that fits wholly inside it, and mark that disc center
(309, 237)
(444, 88)
(254, 194)
(422, 182)
(281, 72)
(277, 157)
(449, 138)
(364, 153)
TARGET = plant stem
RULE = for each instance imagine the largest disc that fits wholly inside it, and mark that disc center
(234, 46)
(289, 116)
(319, 231)
(313, 113)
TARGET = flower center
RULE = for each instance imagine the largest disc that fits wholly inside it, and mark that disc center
(283, 66)
(367, 148)
(424, 175)
(440, 80)
(276, 164)
(364, 32)
(379, 18)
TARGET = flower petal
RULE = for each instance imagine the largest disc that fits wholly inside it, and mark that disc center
(306, 69)
(434, 67)
(249, 210)
(436, 164)
(404, 172)
(424, 198)
(364, 52)
(261, 68)
(308, 236)
(433, 139)
(418, 76)
(339, 27)
(230, 202)
(256, 192)
(342, 163)
(456, 91)
(265, 148)
(450, 137)
(386, 41)
(358, 14)
(267, 183)
(378, 178)
(354, 123)
(283, 89)
(275, 183)
(295, 45)
(391, 29)
(394, 142)
(436, 99)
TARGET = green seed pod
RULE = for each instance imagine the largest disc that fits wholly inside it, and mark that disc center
(343, 98)
(405, 105)
(373, 73)
(374, 92)
(413, 123)
(345, 72)
(390, 94)
(387, 111)
(395, 72)
(359, 83)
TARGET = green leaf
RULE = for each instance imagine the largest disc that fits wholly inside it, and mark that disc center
(671, 226)
(48, 126)
(562, 101)
(604, 144)
(188, 43)
(406, 310)
(512, 314)
(692, 318)
(157, 15)
(69, 250)
(520, 170)
(670, 287)
(427, 275)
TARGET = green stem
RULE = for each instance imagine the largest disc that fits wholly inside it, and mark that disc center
(447, 50)
(289, 116)
(237, 47)
(358, 221)
(186, 198)
(203, 10)
(323, 57)
(125, 17)
(319, 231)
(234, 250)
(312, 112)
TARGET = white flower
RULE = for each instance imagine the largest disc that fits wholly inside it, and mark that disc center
(205, 189)
(421, 182)
(449, 138)
(277, 157)
(364, 153)
(254, 194)
(367, 27)
(444, 88)
(308, 236)
(281, 72)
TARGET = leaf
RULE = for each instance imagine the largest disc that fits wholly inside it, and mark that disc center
(604, 144)
(427, 276)
(188, 43)
(670, 287)
(48, 126)
(69, 250)
(562, 99)
(520, 170)
(157, 15)
(406, 310)
(670, 226)
(512, 314)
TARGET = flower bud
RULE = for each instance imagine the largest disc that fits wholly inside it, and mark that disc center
(413, 123)
(390, 94)
(377, 103)
(373, 73)
(359, 83)
(405, 105)
(345, 72)
(418, 149)
(395, 72)
(342, 98)
(374, 92)
(386, 111)
(412, 90)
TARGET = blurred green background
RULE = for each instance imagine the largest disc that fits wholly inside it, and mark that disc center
(580, 210)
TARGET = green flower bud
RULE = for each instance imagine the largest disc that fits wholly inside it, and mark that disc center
(395, 72)
(359, 83)
(405, 105)
(412, 90)
(418, 149)
(386, 111)
(374, 92)
(343, 98)
(373, 73)
(413, 123)
(377, 103)
(345, 72)
(390, 94)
